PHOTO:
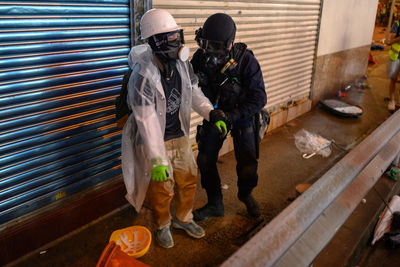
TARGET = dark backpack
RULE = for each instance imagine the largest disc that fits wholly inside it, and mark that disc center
(122, 110)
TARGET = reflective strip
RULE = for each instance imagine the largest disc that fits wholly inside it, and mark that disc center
(394, 52)
(61, 66)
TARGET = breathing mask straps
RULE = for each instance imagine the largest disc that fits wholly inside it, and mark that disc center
(167, 63)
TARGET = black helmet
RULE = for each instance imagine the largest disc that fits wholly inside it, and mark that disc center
(219, 27)
(217, 34)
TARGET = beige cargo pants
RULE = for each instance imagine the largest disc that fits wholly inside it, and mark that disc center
(182, 169)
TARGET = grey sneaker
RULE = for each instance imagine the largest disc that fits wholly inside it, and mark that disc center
(192, 229)
(164, 237)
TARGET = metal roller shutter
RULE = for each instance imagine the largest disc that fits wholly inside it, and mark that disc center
(281, 33)
(61, 64)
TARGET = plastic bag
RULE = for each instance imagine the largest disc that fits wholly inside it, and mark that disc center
(385, 220)
(262, 120)
(310, 143)
(392, 68)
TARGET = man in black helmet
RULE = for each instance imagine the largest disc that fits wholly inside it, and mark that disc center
(230, 76)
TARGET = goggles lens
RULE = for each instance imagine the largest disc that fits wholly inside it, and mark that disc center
(165, 38)
(213, 47)
(173, 36)
(166, 42)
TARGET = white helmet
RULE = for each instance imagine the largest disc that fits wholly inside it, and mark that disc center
(157, 21)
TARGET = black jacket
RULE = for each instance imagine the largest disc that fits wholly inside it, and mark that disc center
(252, 82)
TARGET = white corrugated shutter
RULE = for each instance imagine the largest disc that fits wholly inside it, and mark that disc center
(282, 35)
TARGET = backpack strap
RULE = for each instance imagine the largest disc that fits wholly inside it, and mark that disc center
(122, 110)
(238, 53)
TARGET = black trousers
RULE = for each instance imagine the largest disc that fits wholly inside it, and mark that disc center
(245, 146)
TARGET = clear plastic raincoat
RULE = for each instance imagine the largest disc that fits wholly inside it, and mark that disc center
(143, 134)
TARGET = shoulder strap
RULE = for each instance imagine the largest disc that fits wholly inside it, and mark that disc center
(127, 75)
(239, 52)
(233, 65)
(121, 107)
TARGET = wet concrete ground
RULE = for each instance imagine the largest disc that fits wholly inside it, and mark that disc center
(281, 168)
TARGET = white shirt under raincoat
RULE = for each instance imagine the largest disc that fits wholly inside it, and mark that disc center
(143, 134)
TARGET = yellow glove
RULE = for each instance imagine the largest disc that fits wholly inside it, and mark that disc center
(221, 125)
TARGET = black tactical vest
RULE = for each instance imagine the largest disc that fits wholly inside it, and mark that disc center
(223, 87)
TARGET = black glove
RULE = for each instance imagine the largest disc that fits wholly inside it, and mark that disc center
(217, 115)
(218, 118)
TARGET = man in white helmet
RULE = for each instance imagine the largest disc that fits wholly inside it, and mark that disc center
(156, 154)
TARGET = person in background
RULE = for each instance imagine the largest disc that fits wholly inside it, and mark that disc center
(394, 38)
(379, 15)
(382, 11)
(231, 78)
(156, 154)
(395, 10)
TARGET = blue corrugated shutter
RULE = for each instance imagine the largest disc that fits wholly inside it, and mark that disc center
(61, 64)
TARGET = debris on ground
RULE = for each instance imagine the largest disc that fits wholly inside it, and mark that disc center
(371, 60)
(341, 108)
(301, 188)
(311, 144)
(361, 83)
(341, 94)
(377, 47)
(134, 241)
(385, 220)
(113, 256)
(394, 173)
(392, 238)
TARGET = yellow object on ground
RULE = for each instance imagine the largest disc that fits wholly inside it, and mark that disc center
(134, 241)
(301, 188)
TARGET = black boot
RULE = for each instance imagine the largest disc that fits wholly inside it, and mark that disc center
(251, 205)
(208, 211)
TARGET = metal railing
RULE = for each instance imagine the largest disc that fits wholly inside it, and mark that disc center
(298, 234)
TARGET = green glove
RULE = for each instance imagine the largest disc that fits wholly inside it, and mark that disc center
(221, 124)
(159, 173)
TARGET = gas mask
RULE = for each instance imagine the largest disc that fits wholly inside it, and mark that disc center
(169, 46)
(216, 53)
(215, 62)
